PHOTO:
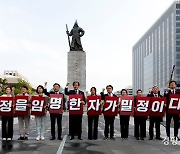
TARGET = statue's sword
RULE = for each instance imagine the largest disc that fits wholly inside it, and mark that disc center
(68, 36)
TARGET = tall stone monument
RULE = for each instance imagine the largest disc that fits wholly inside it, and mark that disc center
(76, 58)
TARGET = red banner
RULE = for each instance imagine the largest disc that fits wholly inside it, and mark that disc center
(56, 104)
(127, 105)
(38, 104)
(157, 106)
(142, 106)
(93, 105)
(6, 106)
(21, 105)
(75, 105)
(174, 104)
(111, 106)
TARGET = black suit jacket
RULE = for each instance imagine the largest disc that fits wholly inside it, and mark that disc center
(103, 98)
(152, 95)
(167, 95)
(73, 92)
(52, 92)
(104, 95)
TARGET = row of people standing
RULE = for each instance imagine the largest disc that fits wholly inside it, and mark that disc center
(24, 121)
(75, 121)
(139, 121)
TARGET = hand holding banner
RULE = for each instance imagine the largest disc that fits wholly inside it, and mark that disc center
(93, 105)
(6, 106)
(157, 106)
(142, 106)
(174, 104)
(21, 105)
(75, 105)
(56, 104)
(38, 105)
(111, 106)
(127, 105)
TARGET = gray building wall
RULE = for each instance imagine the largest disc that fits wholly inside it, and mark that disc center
(157, 51)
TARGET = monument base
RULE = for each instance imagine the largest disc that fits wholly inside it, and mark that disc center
(77, 69)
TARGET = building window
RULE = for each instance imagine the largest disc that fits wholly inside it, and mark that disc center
(178, 56)
(178, 43)
(177, 49)
(178, 12)
(177, 6)
(178, 18)
(177, 24)
(178, 36)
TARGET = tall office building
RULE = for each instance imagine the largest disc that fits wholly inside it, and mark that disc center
(157, 51)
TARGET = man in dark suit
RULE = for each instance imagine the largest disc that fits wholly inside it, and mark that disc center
(75, 121)
(109, 120)
(171, 90)
(154, 119)
(139, 121)
(54, 117)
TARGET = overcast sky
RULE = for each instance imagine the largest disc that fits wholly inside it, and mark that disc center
(33, 37)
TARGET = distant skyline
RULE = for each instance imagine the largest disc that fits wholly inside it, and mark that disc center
(33, 37)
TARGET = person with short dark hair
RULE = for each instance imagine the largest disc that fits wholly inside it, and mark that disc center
(109, 120)
(55, 116)
(124, 120)
(139, 121)
(7, 121)
(154, 120)
(24, 120)
(93, 121)
(75, 121)
(170, 91)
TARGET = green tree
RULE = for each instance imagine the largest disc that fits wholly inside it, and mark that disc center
(17, 86)
(3, 84)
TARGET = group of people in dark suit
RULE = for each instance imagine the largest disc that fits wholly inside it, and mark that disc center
(140, 122)
(75, 120)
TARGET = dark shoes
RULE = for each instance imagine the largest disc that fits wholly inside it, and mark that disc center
(112, 138)
(52, 138)
(72, 138)
(80, 138)
(150, 138)
(25, 138)
(59, 138)
(141, 138)
(159, 138)
(21, 138)
(105, 138)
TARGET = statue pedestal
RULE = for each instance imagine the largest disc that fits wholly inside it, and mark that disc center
(77, 69)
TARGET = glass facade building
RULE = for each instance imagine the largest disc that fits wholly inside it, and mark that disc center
(157, 51)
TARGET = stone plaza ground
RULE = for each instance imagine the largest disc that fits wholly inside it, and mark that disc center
(85, 146)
